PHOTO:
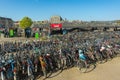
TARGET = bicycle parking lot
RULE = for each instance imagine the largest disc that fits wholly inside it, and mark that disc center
(107, 71)
(37, 58)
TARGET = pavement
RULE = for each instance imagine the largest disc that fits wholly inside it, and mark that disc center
(107, 71)
(21, 39)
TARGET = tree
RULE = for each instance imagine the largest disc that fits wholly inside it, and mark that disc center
(26, 22)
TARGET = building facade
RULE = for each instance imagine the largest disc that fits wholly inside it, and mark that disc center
(56, 19)
(6, 22)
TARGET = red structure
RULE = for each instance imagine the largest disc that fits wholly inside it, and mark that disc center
(56, 25)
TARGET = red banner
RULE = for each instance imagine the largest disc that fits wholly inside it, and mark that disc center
(56, 25)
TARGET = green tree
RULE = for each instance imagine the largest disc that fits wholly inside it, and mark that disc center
(26, 22)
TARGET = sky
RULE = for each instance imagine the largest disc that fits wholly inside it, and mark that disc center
(85, 10)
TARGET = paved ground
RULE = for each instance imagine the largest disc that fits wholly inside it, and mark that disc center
(107, 71)
(20, 39)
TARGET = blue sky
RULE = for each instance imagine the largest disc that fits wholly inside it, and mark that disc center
(85, 10)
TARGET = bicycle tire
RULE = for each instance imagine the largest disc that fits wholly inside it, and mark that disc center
(82, 67)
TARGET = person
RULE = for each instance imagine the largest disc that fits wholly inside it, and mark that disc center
(43, 65)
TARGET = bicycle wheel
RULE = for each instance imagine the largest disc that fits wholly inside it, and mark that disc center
(82, 66)
(99, 58)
